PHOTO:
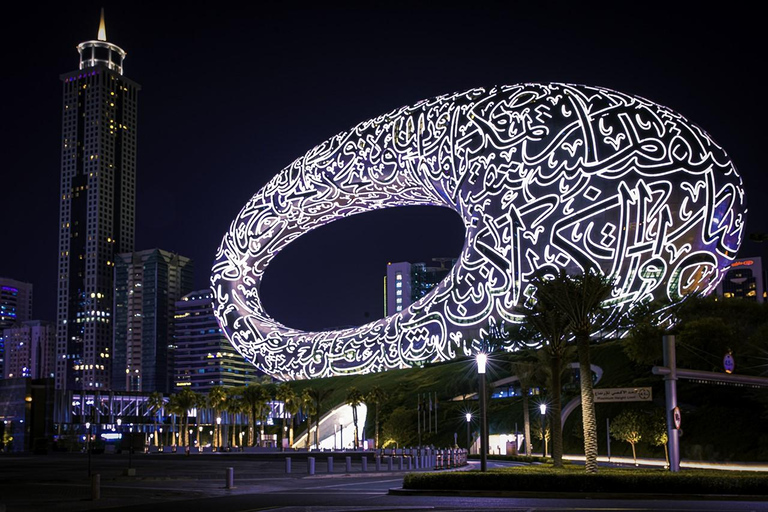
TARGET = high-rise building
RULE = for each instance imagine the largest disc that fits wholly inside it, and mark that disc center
(15, 302)
(147, 286)
(204, 356)
(405, 283)
(96, 216)
(30, 350)
(744, 279)
(15, 307)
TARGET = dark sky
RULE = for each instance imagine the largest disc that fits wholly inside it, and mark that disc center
(232, 94)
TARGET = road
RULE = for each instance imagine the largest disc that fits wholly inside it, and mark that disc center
(168, 483)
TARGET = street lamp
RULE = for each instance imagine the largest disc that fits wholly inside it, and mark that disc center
(482, 359)
(469, 439)
(543, 410)
(217, 439)
(88, 445)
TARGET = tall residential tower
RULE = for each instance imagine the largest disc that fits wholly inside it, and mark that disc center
(96, 219)
(147, 286)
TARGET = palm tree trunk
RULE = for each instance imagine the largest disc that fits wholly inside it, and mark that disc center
(526, 422)
(376, 442)
(555, 421)
(589, 422)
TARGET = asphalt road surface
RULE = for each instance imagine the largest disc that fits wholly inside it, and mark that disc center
(167, 483)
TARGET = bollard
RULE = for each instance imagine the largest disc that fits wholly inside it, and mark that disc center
(230, 479)
(390, 465)
(410, 463)
(95, 486)
(311, 465)
(288, 465)
(330, 464)
(400, 463)
(378, 463)
(349, 464)
(364, 462)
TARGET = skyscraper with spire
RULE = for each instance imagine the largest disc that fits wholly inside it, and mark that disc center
(97, 208)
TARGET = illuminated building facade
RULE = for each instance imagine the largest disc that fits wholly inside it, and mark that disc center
(15, 307)
(406, 283)
(744, 279)
(204, 357)
(30, 350)
(147, 286)
(96, 215)
(546, 177)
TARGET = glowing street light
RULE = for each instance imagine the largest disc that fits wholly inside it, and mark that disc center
(482, 359)
(469, 438)
(543, 410)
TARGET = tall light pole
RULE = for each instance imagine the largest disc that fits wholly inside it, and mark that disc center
(217, 443)
(88, 445)
(543, 410)
(482, 359)
(469, 438)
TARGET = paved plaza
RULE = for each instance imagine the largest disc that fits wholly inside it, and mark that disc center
(169, 482)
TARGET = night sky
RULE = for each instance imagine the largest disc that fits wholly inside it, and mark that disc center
(232, 94)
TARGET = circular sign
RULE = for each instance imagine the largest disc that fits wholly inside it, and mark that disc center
(729, 363)
(677, 418)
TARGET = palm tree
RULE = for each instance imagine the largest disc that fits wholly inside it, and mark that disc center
(155, 404)
(552, 326)
(217, 400)
(185, 401)
(526, 376)
(317, 396)
(354, 399)
(376, 396)
(580, 298)
(234, 406)
(308, 405)
(287, 395)
(254, 398)
(173, 409)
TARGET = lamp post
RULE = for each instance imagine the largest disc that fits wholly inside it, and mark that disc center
(469, 439)
(482, 359)
(162, 439)
(217, 442)
(543, 410)
(88, 445)
(130, 448)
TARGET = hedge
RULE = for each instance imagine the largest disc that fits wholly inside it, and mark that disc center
(635, 481)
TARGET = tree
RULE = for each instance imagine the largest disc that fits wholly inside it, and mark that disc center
(526, 376)
(217, 400)
(308, 406)
(185, 400)
(255, 400)
(399, 429)
(376, 396)
(552, 325)
(355, 399)
(629, 426)
(657, 431)
(287, 395)
(543, 432)
(155, 404)
(580, 298)
(317, 396)
(234, 406)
